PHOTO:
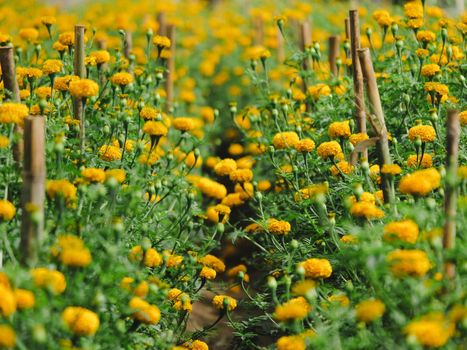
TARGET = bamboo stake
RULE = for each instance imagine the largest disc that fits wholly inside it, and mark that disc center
(162, 20)
(280, 47)
(79, 70)
(450, 199)
(347, 28)
(333, 53)
(360, 115)
(258, 31)
(127, 44)
(7, 63)
(33, 192)
(378, 123)
(169, 79)
(305, 42)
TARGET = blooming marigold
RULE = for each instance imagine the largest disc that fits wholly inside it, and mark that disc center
(409, 262)
(339, 129)
(435, 87)
(329, 149)
(144, 312)
(7, 301)
(285, 139)
(11, 112)
(318, 90)
(241, 175)
(7, 210)
(405, 230)
(225, 167)
(420, 182)
(426, 36)
(61, 188)
(83, 88)
(305, 145)
(93, 174)
(211, 188)
(4, 141)
(357, 138)
(29, 34)
(161, 41)
(117, 174)
(425, 162)
(213, 262)
(317, 268)
(184, 123)
(67, 38)
(52, 66)
(80, 257)
(278, 227)
(430, 70)
(62, 83)
(121, 78)
(294, 309)
(207, 273)
(369, 310)
(391, 169)
(291, 342)
(101, 56)
(152, 258)
(463, 118)
(155, 128)
(343, 166)
(110, 153)
(52, 279)
(7, 337)
(80, 320)
(366, 210)
(432, 330)
(426, 133)
(221, 301)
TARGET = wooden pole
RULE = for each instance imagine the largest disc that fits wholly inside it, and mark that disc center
(305, 42)
(360, 115)
(450, 199)
(162, 20)
(347, 28)
(79, 70)
(258, 31)
(33, 192)
(169, 79)
(127, 43)
(7, 63)
(378, 122)
(333, 53)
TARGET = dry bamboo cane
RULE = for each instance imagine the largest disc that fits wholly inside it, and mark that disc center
(333, 53)
(169, 79)
(450, 199)
(258, 31)
(162, 20)
(305, 42)
(7, 63)
(80, 71)
(33, 192)
(360, 115)
(127, 43)
(379, 124)
(347, 28)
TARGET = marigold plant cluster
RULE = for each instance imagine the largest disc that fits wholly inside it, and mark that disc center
(209, 183)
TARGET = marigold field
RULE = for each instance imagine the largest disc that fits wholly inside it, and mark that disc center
(213, 174)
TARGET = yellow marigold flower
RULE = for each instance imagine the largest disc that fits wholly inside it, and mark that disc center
(235, 149)
(81, 321)
(221, 301)
(413, 9)
(264, 185)
(83, 88)
(318, 90)
(317, 268)
(329, 149)
(58, 46)
(51, 279)
(7, 301)
(383, 18)
(349, 239)
(52, 66)
(366, 210)
(291, 342)
(93, 174)
(76, 257)
(67, 38)
(422, 52)
(463, 118)
(343, 166)
(43, 92)
(433, 86)
(426, 36)
(62, 83)
(426, 133)
(184, 123)
(241, 175)
(369, 310)
(4, 141)
(462, 172)
(294, 309)
(339, 129)
(61, 188)
(430, 70)
(48, 20)
(305, 145)
(144, 312)
(431, 330)
(225, 167)
(152, 258)
(409, 262)
(11, 112)
(207, 273)
(234, 271)
(101, 56)
(155, 128)
(213, 262)
(303, 287)
(391, 169)
(29, 34)
(161, 41)
(7, 337)
(149, 113)
(420, 182)
(121, 78)
(357, 138)
(286, 139)
(426, 161)
(117, 174)
(405, 230)
(7, 210)
(110, 153)
(342, 299)
(278, 227)
(172, 260)
(212, 188)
